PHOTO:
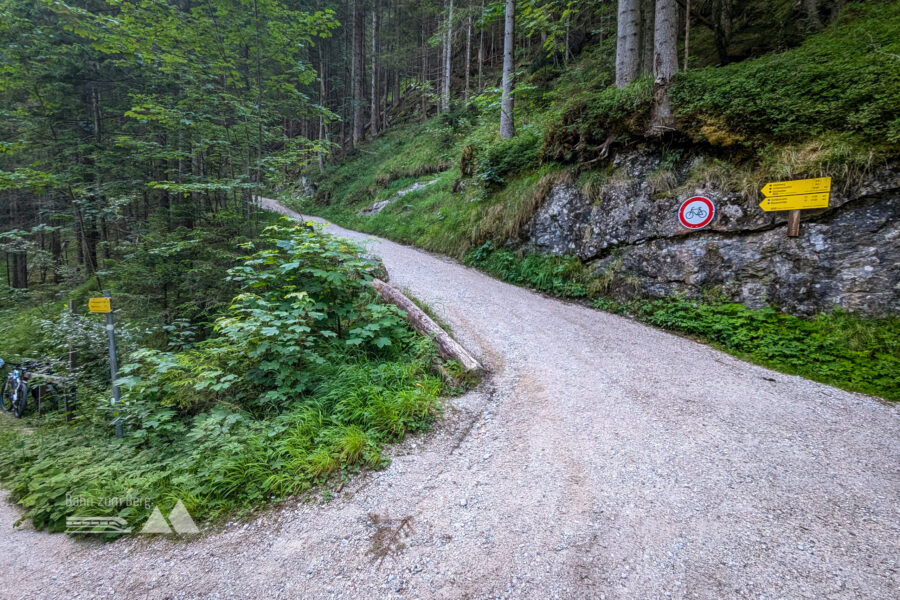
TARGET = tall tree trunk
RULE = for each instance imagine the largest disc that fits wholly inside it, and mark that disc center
(812, 14)
(481, 51)
(323, 102)
(373, 125)
(665, 64)
(507, 127)
(628, 42)
(648, 14)
(468, 57)
(424, 71)
(359, 44)
(448, 54)
(687, 33)
(723, 28)
(19, 270)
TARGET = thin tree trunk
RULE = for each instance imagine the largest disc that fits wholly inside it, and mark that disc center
(448, 54)
(481, 51)
(665, 63)
(373, 126)
(627, 42)
(358, 53)
(424, 71)
(323, 102)
(507, 127)
(468, 57)
(687, 33)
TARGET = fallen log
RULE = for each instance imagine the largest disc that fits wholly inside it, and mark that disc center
(447, 346)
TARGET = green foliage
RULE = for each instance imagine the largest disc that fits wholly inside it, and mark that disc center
(846, 79)
(589, 121)
(503, 158)
(837, 348)
(306, 374)
(306, 301)
(559, 275)
(848, 351)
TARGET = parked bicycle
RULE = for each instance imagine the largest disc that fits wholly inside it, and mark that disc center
(29, 377)
(14, 394)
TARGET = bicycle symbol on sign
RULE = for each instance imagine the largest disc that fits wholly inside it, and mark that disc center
(695, 212)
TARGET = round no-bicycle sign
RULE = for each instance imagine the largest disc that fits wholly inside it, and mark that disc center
(697, 212)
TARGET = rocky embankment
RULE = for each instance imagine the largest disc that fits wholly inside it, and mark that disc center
(846, 256)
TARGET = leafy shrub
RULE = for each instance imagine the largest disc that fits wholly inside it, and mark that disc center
(560, 275)
(306, 375)
(503, 158)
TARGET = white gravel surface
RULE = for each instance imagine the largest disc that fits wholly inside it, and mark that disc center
(602, 459)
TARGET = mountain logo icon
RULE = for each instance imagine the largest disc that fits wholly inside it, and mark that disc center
(179, 518)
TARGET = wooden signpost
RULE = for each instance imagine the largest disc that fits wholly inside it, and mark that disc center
(794, 196)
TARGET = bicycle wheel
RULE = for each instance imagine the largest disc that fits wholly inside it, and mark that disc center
(6, 395)
(21, 400)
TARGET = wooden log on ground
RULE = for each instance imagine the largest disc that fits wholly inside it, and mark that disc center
(447, 346)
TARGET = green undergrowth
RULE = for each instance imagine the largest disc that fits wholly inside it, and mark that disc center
(855, 353)
(846, 79)
(303, 379)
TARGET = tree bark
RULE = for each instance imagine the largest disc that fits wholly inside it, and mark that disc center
(812, 14)
(373, 125)
(481, 51)
(648, 17)
(448, 54)
(323, 102)
(628, 42)
(357, 72)
(468, 57)
(447, 346)
(665, 64)
(19, 270)
(687, 33)
(507, 126)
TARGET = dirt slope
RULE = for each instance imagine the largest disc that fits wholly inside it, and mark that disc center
(603, 459)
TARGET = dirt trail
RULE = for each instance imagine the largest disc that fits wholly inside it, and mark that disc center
(603, 459)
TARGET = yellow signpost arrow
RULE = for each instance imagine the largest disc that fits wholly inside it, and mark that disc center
(798, 187)
(794, 196)
(798, 202)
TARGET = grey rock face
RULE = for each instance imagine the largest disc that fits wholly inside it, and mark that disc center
(377, 207)
(846, 256)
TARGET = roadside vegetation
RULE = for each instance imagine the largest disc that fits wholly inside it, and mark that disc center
(859, 354)
(825, 107)
(304, 376)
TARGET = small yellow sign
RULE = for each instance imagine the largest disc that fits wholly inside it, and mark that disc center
(800, 186)
(99, 305)
(798, 202)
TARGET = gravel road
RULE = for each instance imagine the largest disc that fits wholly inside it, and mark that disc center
(602, 459)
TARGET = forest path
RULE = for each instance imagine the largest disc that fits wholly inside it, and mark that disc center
(601, 459)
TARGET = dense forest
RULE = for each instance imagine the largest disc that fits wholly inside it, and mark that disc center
(119, 114)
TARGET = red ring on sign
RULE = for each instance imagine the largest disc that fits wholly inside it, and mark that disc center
(711, 212)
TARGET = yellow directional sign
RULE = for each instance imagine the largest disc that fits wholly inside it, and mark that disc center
(99, 305)
(798, 202)
(800, 186)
